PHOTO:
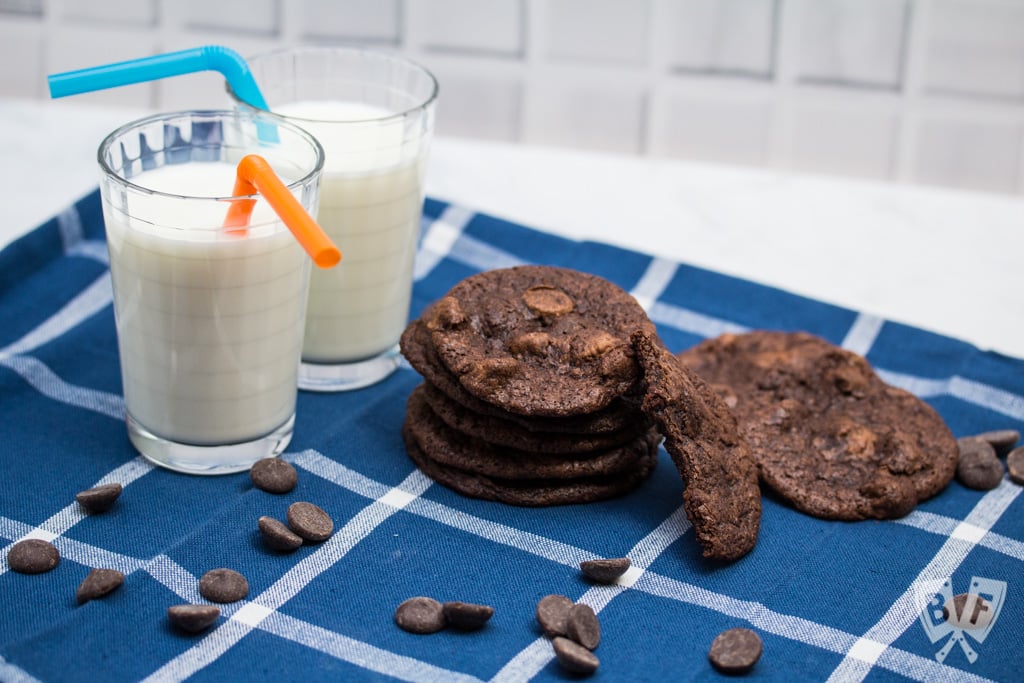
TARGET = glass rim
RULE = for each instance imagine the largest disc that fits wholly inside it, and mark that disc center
(108, 141)
(380, 54)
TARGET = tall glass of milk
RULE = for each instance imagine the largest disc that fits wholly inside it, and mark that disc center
(209, 319)
(374, 115)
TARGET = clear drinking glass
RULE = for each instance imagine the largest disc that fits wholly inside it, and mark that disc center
(374, 115)
(209, 319)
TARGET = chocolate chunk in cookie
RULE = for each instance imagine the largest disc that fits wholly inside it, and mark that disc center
(828, 434)
(722, 498)
(418, 349)
(538, 340)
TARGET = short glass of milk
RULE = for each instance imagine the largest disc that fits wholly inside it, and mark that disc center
(209, 319)
(374, 115)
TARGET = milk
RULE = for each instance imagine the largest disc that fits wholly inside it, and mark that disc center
(371, 198)
(209, 322)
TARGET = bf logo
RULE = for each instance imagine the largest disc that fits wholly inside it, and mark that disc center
(956, 617)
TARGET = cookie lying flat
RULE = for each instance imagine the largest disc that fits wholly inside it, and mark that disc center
(829, 435)
(417, 348)
(722, 498)
(501, 432)
(538, 340)
(445, 446)
(530, 492)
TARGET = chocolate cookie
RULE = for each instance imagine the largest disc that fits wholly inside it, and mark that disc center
(447, 447)
(501, 432)
(828, 434)
(529, 492)
(538, 340)
(418, 349)
(722, 498)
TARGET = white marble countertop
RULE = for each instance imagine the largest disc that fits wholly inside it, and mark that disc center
(943, 260)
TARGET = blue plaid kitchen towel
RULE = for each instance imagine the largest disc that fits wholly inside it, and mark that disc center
(831, 600)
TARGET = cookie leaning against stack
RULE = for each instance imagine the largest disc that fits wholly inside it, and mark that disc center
(527, 370)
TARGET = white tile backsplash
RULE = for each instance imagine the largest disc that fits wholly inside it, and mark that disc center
(260, 17)
(969, 154)
(856, 42)
(722, 36)
(590, 115)
(598, 31)
(843, 138)
(928, 91)
(976, 47)
(128, 12)
(21, 43)
(483, 26)
(364, 21)
(477, 105)
(708, 127)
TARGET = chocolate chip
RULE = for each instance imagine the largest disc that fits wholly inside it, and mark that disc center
(735, 651)
(1002, 440)
(978, 467)
(310, 522)
(574, 657)
(223, 585)
(99, 498)
(582, 626)
(552, 614)
(447, 314)
(193, 618)
(547, 301)
(277, 536)
(273, 475)
(98, 583)
(1015, 465)
(973, 444)
(33, 556)
(605, 571)
(420, 615)
(466, 616)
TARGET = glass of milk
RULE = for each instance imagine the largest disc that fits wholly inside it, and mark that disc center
(209, 319)
(374, 115)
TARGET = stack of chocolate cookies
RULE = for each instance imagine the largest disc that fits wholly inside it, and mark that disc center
(531, 389)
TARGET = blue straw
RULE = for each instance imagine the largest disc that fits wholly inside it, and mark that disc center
(207, 58)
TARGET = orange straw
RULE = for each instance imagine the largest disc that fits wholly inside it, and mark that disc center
(255, 175)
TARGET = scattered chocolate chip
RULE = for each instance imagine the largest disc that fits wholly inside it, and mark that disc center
(978, 467)
(98, 583)
(1002, 440)
(735, 651)
(274, 475)
(574, 657)
(310, 522)
(33, 556)
(605, 571)
(1015, 465)
(223, 585)
(420, 615)
(583, 626)
(99, 498)
(277, 536)
(973, 444)
(552, 614)
(193, 618)
(466, 616)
